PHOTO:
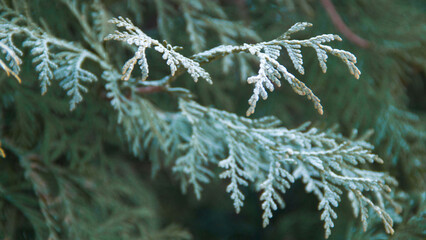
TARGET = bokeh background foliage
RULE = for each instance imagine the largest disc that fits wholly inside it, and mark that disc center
(72, 175)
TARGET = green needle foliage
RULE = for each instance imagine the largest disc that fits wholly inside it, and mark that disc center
(102, 117)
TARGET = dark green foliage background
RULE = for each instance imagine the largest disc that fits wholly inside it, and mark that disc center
(72, 173)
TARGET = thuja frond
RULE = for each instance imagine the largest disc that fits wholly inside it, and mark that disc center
(398, 126)
(410, 222)
(134, 36)
(72, 75)
(54, 58)
(100, 19)
(270, 70)
(14, 60)
(262, 153)
(321, 168)
(7, 45)
(142, 123)
(42, 56)
(196, 142)
(66, 202)
(202, 147)
(205, 18)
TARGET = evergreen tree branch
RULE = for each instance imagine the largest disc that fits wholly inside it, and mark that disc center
(57, 196)
(270, 70)
(262, 153)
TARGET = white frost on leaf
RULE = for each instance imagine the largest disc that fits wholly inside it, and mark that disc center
(269, 158)
(134, 36)
(270, 70)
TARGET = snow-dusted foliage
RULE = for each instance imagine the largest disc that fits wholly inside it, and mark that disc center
(134, 36)
(263, 154)
(14, 61)
(270, 70)
(8, 49)
(196, 142)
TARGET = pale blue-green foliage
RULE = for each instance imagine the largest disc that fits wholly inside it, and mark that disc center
(42, 57)
(202, 18)
(134, 36)
(100, 20)
(270, 70)
(269, 157)
(205, 15)
(410, 223)
(54, 58)
(11, 52)
(72, 75)
(262, 152)
(398, 126)
(257, 153)
(265, 156)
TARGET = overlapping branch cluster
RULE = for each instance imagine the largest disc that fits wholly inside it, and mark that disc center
(256, 153)
(55, 59)
(270, 70)
(324, 164)
(269, 157)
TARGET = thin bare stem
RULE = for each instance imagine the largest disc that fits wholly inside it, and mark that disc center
(341, 26)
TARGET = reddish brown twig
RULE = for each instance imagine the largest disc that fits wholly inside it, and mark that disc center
(146, 90)
(341, 26)
(150, 89)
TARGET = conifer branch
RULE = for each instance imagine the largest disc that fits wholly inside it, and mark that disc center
(64, 176)
(262, 153)
(270, 70)
(135, 36)
(15, 61)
